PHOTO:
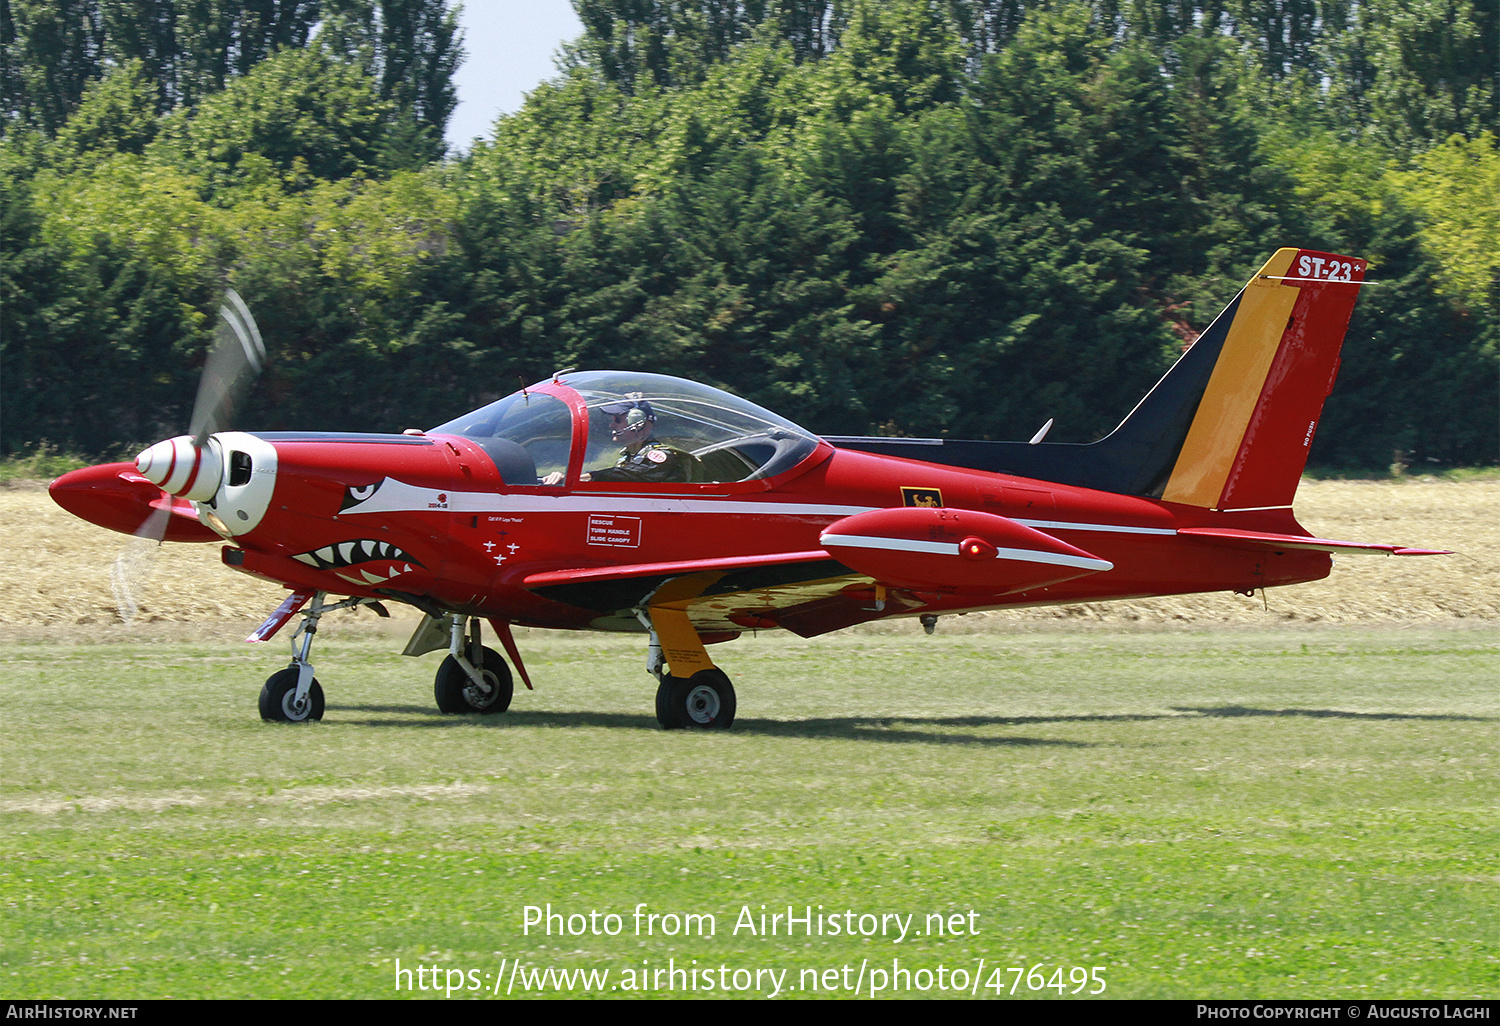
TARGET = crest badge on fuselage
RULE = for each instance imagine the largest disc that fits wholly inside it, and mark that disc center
(929, 497)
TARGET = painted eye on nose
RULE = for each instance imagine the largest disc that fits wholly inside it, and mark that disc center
(353, 496)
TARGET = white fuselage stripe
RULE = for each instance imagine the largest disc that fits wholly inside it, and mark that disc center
(858, 541)
(394, 496)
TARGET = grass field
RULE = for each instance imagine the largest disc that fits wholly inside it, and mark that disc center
(1299, 805)
(1203, 813)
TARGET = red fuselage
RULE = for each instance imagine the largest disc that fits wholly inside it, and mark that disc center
(456, 534)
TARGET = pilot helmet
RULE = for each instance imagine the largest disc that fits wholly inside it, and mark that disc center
(636, 411)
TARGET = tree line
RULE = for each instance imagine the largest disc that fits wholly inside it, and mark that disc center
(917, 217)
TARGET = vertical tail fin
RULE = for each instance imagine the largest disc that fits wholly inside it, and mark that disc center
(1228, 426)
(1279, 343)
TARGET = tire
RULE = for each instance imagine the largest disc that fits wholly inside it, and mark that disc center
(704, 701)
(456, 693)
(277, 694)
(664, 713)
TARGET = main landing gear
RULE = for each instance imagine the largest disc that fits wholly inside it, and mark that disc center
(473, 678)
(704, 700)
(693, 693)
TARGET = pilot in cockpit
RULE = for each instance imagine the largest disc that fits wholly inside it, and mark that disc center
(631, 422)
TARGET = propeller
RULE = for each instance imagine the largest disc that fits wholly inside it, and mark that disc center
(191, 466)
(237, 358)
(133, 565)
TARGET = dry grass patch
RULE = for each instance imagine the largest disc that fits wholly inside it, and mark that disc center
(57, 574)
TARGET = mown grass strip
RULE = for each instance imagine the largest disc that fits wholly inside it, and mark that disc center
(1256, 814)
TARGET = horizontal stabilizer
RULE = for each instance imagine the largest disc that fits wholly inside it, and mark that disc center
(1267, 540)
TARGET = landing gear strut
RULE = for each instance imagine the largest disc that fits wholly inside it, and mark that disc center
(702, 697)
(473, 678)
(293, 695)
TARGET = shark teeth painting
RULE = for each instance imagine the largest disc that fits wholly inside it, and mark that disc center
(354, 554)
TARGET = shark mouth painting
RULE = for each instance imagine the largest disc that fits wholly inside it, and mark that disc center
(385, 560)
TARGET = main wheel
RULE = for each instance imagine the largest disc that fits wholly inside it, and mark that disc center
(456, 693)
(704, 701)
(278, 699)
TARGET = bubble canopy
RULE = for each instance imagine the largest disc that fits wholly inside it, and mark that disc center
(531, 434)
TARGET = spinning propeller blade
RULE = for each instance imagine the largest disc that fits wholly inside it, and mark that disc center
(132, 567)
(236, 359)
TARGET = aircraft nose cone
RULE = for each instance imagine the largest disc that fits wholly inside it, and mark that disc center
(181, 468)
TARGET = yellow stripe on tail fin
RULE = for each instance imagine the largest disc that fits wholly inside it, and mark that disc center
(1249, 438)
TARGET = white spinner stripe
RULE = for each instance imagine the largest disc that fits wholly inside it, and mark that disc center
(857, 541)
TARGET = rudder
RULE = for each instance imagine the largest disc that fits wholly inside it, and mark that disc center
(1248, 441)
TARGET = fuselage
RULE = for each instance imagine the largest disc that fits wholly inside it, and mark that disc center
(431, 518)
(461, 519)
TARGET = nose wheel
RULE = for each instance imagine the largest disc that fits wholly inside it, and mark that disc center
(704, 701)
(279, 702)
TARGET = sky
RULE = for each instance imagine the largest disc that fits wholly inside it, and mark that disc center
(511, 47)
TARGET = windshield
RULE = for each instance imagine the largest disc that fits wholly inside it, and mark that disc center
(527, 435)
(690, 432)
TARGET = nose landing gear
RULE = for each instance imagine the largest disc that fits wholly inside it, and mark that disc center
(294, 695)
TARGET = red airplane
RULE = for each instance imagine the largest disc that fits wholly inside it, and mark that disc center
(625, 501)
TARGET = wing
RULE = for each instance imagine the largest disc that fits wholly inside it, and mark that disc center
(808, 593)
(916, 554)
